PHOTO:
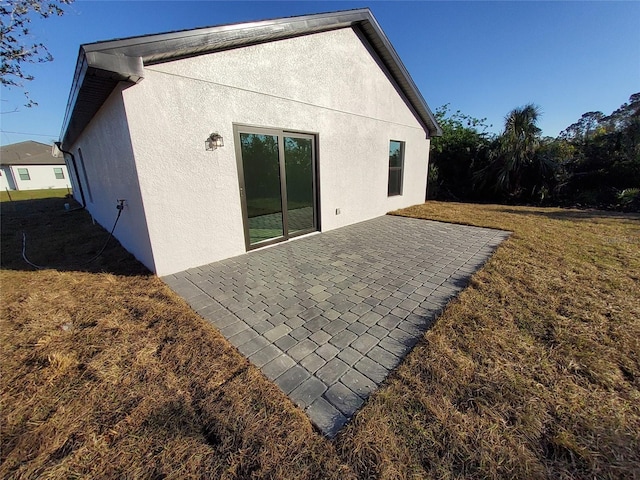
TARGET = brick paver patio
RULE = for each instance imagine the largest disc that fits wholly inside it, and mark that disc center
(328, 316)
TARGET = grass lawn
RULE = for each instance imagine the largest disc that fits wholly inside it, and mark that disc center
(18, 195)
(533, 372)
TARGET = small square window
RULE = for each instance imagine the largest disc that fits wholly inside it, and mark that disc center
(396, 164)
(24, 174)
(58, 173)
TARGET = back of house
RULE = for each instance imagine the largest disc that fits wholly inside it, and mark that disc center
(225, 139)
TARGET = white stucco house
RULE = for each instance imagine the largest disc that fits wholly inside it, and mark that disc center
(230, 138)
(31, 166)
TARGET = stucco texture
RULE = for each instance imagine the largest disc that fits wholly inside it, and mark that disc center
(146, 144)
(110, 168)
(327, 84)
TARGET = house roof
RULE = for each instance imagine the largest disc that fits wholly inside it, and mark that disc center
(102, 65)
(28, 153)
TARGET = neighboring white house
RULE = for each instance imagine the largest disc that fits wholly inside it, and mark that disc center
(31, 166)
(229, 138)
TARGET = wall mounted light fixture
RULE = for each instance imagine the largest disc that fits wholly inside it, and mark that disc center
(214, 141)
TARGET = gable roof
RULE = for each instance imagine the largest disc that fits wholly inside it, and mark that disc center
(102, 65)
(28, 153)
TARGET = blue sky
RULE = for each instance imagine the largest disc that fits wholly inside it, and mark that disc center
(484, 58)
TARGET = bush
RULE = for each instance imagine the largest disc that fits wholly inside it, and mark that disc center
(629, 200)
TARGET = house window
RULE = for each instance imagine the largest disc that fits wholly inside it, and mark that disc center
(396, 162)
(24, 174)
(58, 173)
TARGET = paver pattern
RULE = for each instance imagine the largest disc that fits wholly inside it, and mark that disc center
(264, 227)
(327, 317)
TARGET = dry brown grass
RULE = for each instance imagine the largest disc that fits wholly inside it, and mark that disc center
(533, 372)
(114, 376)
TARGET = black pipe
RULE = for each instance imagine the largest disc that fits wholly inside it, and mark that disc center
(75, 169)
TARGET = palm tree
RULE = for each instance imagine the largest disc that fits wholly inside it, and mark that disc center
(517, 147)
(512, 152)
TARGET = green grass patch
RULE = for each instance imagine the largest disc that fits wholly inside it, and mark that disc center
(19, 195)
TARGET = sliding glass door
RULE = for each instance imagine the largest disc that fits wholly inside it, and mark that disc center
(277, 184)
(262, 191)
(299, 168)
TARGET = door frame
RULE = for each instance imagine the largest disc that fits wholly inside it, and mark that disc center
(280, 133)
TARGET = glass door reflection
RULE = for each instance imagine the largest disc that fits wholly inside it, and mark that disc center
(298, 157)
(262, 186)
(277, 184)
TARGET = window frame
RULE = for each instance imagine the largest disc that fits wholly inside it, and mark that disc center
(22, 172)
(399, 169)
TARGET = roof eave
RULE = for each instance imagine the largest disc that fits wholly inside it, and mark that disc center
(96, 76)
(101, 66)
(401, 75)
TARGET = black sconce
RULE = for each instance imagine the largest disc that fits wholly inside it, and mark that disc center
(214, 141)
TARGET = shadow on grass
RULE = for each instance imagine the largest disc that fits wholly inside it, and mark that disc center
(571, 214)
(59, 239)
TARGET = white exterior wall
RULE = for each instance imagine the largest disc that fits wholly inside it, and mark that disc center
(42, 177)
(72, 179)
(325, 83)
(112, 175)
(6, 179)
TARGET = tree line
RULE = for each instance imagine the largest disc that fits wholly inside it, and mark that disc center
(595, 162)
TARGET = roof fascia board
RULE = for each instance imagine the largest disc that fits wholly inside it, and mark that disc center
(273, 27)
(437, 130)
(6, 163)
(118, 67)
(142, 48)
(78, 78)
(124, 59)
(97, 64)
(390, 76)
